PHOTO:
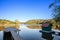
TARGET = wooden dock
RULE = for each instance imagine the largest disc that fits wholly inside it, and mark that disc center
(14, 33)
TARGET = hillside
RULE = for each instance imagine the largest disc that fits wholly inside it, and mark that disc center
(4, 21)
(36, 21)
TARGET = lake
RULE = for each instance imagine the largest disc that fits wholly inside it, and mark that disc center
(33, 34)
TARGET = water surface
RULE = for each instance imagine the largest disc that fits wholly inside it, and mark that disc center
(32, 34)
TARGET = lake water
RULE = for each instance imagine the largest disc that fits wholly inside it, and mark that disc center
(32, 34)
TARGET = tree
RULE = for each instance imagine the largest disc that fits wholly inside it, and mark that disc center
(56, 10)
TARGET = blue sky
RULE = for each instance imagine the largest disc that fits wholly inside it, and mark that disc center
(24, 10)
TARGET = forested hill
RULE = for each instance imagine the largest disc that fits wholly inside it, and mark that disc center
(4, 21)
(37, 21)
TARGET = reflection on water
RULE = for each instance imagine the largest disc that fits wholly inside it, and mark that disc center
(29, 34)
(33, 34)
(47, 36)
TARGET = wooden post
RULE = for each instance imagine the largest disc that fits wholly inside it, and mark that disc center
(7, 36)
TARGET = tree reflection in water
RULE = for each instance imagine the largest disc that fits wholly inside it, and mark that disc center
(47, 36)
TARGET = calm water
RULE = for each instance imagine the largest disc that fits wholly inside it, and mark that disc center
(33, 34)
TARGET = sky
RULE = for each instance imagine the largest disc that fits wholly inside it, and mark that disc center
(24, 10)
